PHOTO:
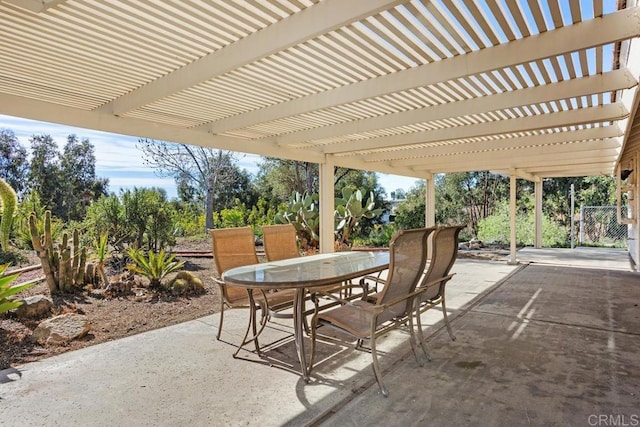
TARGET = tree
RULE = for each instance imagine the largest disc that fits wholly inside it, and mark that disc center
(280, 178)
(149, 214)
(14, 166)
(79, 182)
(207, 175)
(65, 181)
(597, 191)
(461, 198)
(44, 174)
(398, 194)
(411, 212)
(465, 198)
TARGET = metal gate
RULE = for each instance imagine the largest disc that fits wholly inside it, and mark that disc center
(599, 227)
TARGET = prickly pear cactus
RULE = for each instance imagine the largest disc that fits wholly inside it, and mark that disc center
(350, 209)
(302, 212)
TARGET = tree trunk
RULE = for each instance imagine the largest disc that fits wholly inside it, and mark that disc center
(208, 215)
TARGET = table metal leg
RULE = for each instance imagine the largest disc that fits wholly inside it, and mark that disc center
(298, 330)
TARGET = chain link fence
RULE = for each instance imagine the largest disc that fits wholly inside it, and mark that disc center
(599, 227)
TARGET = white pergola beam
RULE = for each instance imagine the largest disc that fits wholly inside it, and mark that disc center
(495, 144)
(601, 114)
(552, 171)
(523, 159)
(355, 162)
(608, 82)
(48, 112)
(488, 162)
(33, 5)
(307, 24)
(621, 25)
(520, 174)
(54, 113)
(514, 152)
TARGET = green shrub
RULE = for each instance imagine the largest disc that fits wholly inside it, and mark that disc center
(496, 229)
(185, 283)
(142, 217)
(187, 220)
(12, 257)
(7, 289)
(380, 236)
(154, 267)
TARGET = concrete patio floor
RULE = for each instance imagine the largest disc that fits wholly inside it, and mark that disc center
(537, 344)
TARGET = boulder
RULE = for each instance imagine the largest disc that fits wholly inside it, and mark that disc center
(475, 244)
(34, 307)
(62, 329)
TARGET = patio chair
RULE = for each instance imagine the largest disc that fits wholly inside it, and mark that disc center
(235, 247)
(394, 306)
(280, 241)
(443, 256)
(380, 281)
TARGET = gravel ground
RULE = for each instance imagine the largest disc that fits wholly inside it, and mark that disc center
(111, 317)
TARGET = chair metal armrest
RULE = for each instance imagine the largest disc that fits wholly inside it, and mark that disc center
(401, 298)
(437, 281)
(333, 297)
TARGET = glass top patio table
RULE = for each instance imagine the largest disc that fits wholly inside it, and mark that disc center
(308, 271)
(304, 273)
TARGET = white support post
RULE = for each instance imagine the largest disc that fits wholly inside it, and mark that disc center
(538, 214)
(430, 209)
(635, 205)
(573, 217)
(430, 202)
(512, 211)
(326, 207)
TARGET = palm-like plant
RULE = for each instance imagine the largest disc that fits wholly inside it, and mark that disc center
(6, 289)
(154, 267)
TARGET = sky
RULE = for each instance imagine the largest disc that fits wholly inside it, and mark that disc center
(118, 158)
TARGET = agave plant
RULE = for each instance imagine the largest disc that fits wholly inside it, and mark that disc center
(153, 266)
(6, 289)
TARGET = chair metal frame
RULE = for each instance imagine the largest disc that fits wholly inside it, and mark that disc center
(443, 256)
(393, 307)
(235, 247)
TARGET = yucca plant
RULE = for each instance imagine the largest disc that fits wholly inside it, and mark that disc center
(7, 290)
(154, 267)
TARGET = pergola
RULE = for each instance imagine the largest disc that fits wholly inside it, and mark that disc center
(532, 89)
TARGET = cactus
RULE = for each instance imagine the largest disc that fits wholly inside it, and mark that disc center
(350, 209)
(8, 203)
(302, 212)
(64, 267)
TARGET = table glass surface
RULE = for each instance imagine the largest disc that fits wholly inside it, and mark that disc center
(312, 270)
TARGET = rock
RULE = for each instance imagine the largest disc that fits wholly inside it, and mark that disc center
(62, 329)
(34, 307)
(475, 244)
